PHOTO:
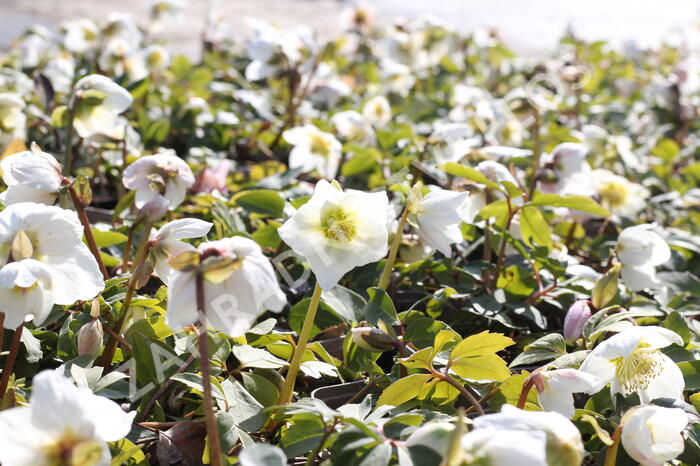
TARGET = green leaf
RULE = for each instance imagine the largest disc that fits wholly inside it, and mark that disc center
(261, 453)
(457, 169)
(247, 412)
(496, 209)
(486, 367)
(194, 381)
(666, 149)
(573, 202)
(107, 238)
(691, 374)
(481, 344)
(325, 317)
(261, 201)
(361, 162)
(261, 388)
(509, 392)
(533, 226)
(676, 322)
(256, 357)
(379, 307)
(403, 390)
(419, 360)
(345, 302)
(606, 288)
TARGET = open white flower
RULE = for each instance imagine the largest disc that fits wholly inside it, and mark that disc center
(63, 424)
(80, 35)
(569, 164)
(617, 194)
(30, 176)
(272, 49)
(632, 363)
(240, 286)
(166, 243)
(555, 389)
(652, 435)
(353, 127)
(640, 250)
(505, 447)
(161, 174)
(438, 216)
(12, 119)
(44, 262)
(98, 102)
(336, 231)
(313, 150)
(377, 111)
(564, 446)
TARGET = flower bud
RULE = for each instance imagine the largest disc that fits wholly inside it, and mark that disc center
(142, 274)
(90, 339)
(576, 317)
(372, 339)
(153, 210)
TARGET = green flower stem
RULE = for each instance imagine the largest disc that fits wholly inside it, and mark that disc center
(89, 237)
(288, 387)
(11, 358)
(611, 453)
(393, 251)
(111, 346)
(209, 416)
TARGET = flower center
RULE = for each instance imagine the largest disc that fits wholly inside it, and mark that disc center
(338, 225)
(637, 370)
(613, 194)
(320, 145)
(22, 247)
(70, 450)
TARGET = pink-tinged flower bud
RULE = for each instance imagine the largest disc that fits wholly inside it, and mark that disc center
(90, 339)
(153, 210)
(576, 317)
(213, 179)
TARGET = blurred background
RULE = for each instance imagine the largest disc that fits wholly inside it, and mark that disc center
(530, 27)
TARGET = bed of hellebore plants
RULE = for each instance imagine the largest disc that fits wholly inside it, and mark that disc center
(403, 245)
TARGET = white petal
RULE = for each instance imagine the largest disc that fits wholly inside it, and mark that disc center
(21, 439)
(667, 384)
(184, 228)
(182, 300)
(559, 401)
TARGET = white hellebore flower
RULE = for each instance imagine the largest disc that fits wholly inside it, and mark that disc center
(564, 446)
(619, 195)
(353, 127)
(44, 262)
(31, 176)
(640, 250)
(505, 447)
(12, 119)
(166, 243)
(438, 216)
(336, 231)
(652, 435)
(555, 389)
(98, 101)
(313, 149)
(632, 363)
(377, 111)
(161, 174)
(240, 286)
(63, 424)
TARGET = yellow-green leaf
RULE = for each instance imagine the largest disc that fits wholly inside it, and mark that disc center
(403, 390)
(486, 367)
(481, 343)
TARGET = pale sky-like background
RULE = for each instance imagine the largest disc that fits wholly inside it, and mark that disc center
(528, 26)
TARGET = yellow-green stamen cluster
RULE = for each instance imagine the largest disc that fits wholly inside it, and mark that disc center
(338, 225)
(636, 371)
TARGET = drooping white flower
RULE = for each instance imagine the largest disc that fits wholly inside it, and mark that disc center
(98, 102)
(555, 389)
(353, 127)
(45, 245)
(244, 287)
(573, 173)
(313, 150)
(61, 70)
(12, 119)
(640, 250)
(336, 231)
(652, 435)
(632, 363)
(30, 176)
(166, 242)
(80, 36)
(161, 174)
(63, 424)
(271, 49)
(377, 111)
(437, 217)
(617, 194)
(505, 447)
(564, 446)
